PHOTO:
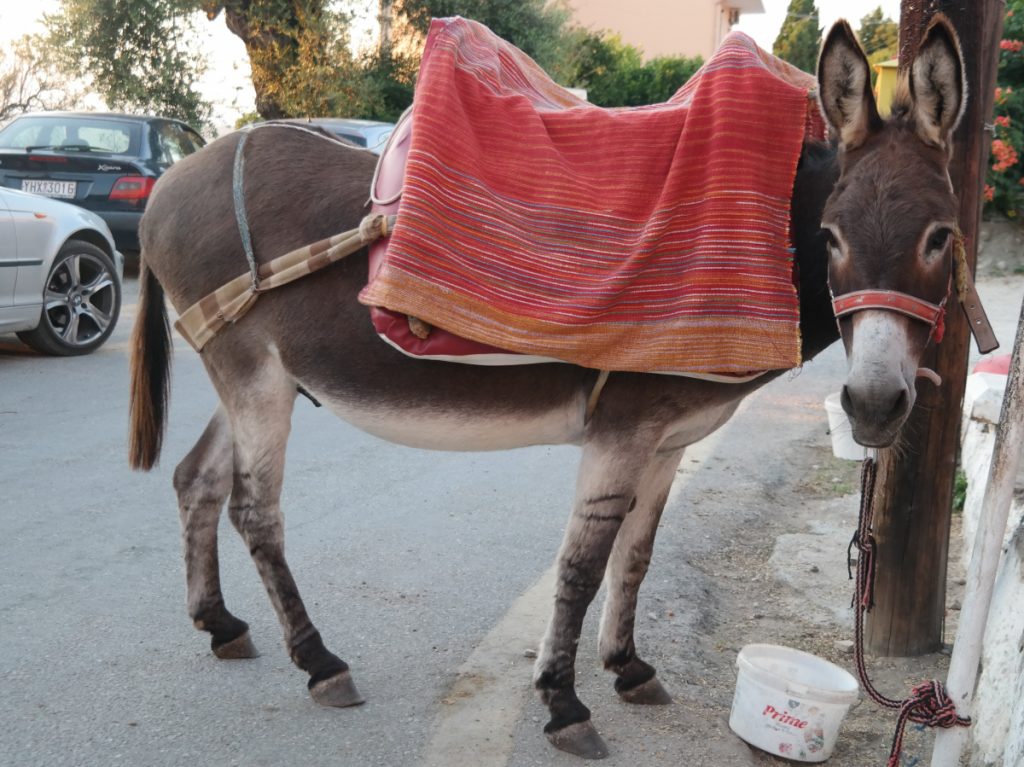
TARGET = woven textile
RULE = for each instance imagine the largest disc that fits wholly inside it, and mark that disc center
(649, 238)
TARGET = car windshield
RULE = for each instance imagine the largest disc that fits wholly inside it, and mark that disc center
(71, 133)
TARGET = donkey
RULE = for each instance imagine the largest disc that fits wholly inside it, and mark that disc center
(874, 210)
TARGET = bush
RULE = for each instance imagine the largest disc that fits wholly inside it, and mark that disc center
(1004, 187)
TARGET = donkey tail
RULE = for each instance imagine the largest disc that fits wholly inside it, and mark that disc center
(150, 374)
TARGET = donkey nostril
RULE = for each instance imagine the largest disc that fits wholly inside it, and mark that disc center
(899, 407)
(845, 400)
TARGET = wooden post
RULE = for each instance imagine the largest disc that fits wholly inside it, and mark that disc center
(914, 490)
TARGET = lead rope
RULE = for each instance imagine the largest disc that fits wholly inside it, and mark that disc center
(929, 704)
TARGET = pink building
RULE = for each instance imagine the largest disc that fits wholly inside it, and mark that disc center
(665, 27)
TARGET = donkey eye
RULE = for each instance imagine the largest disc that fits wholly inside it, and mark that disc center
(938, 240)
(831, 243)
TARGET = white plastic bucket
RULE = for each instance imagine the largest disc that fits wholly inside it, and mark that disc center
(843, 444)
(789, 702)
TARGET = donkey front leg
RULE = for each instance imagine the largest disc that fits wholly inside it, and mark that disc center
(635, 680)
(605, 492)
(203, 482)
(261, 411)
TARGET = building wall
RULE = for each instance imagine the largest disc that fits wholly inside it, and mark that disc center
(663, 27)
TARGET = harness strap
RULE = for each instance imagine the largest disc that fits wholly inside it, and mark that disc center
(970, 301)
(595, 394)
(931, 314)
(229, 303)
(890, 300)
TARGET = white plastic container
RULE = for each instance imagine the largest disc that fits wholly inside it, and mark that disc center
(790, 703)
(843, 444)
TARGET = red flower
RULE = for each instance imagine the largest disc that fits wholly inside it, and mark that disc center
(990, 192)
(1011, 45)
(1003, 121)
(1004, 154)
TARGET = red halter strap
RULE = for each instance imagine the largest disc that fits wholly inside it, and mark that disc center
(893, 301)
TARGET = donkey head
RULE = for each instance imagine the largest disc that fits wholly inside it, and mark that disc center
(890, 220)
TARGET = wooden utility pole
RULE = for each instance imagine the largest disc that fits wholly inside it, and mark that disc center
(914, 490)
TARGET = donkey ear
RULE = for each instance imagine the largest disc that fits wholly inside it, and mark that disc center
(844, 87)
(938, 88)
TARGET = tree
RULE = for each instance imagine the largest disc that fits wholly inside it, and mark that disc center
(799, 39)
(536, 27)
(135, 53)
(28, 82)
(614, 73)
(298, 50)
(138, 54)
(879, 34)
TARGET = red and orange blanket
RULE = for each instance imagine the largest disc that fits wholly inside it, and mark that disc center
(647, 239)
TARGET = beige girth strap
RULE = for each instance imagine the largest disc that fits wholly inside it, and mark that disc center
(229, 303)
(595, 394)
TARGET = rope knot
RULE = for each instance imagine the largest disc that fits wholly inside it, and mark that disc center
(373, 228)
(930, 704)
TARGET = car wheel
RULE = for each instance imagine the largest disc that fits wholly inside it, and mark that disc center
(81, 302)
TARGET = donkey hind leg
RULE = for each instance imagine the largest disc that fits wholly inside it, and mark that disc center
(203, 482)
(635, 680)
(605, 491)
(260, 410)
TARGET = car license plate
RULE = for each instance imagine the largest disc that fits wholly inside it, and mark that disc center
(65, 190)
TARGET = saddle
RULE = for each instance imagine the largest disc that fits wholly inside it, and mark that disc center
(533, 226)
(407, 333)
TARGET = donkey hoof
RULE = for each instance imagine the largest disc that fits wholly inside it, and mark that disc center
(649, 693)
(235, 649)
(580, 739)
(338, 691)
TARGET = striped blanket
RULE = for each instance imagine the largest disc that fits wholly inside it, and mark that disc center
(647, 239)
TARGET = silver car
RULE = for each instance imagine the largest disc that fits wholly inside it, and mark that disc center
(369, 134)
(60, 274)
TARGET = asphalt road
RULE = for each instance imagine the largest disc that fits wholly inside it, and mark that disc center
(428, 572)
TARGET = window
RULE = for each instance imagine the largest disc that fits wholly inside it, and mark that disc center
(73, 133)
(175, 142)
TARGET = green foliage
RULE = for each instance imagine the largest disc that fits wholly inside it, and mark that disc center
(135, 54)
(534, 26)
(799, 39)
(1004, 188)
(615, 75)
(959, 491)
(880, 37)
(137, 57)
(385, 87)
(879, 33)
(298, 51)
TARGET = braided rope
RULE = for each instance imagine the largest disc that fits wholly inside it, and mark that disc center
(241, 217)
(961, 271)
(929, 703)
